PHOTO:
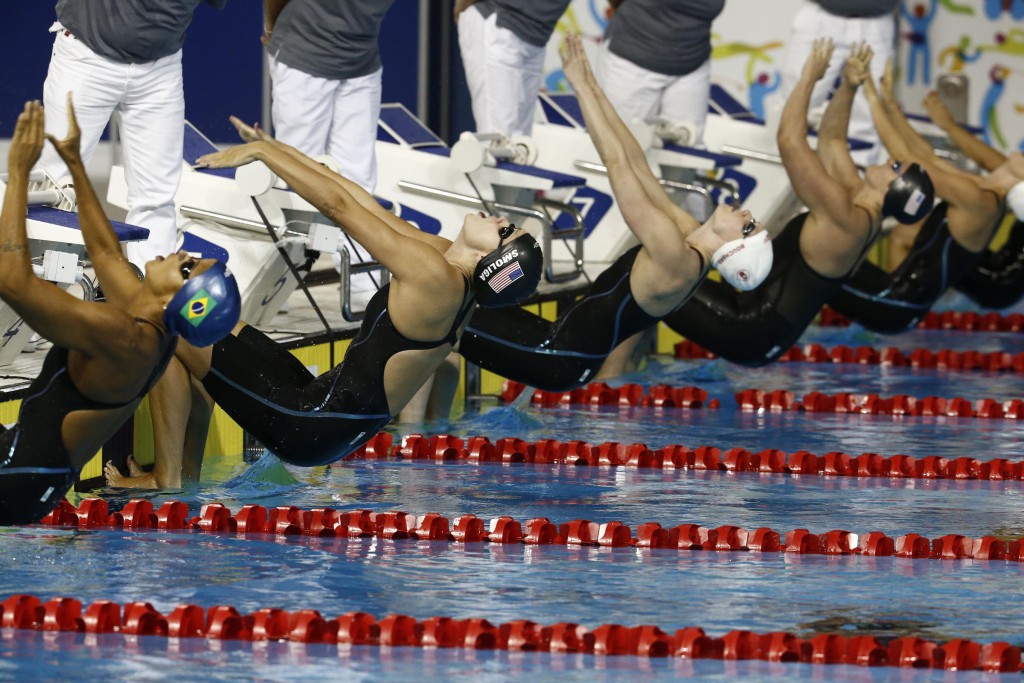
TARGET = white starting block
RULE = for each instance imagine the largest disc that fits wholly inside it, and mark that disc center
(57, 250)
(417, 167)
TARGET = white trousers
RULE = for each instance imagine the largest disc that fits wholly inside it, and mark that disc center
(151, 103)
(338, 118)
(637, 93)
(811, 22)
(503, 72)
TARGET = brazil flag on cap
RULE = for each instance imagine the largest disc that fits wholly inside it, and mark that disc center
(200, 305)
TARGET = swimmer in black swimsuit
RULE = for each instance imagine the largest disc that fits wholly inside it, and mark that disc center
(410, 325)
(997, 281)
(817, 250)
(104, 356)
(950, 243)
(645, 283)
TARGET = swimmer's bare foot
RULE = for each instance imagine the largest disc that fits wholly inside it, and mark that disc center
(133, 467)
(114, 476)
(137, 480)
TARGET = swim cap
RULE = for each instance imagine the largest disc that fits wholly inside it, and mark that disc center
(508, 274)
(744, 263)
(1015, 200)
(206, 308)
(910, 196)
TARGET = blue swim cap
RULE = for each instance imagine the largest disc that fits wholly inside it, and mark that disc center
(206, 308)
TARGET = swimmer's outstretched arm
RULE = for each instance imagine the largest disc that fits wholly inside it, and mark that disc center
(46, 308)
(970, 144)
(833, 143)
(117, 276)
(822, 194)
(654, 228)
(406, 257)
(604, 121)
(365, 199)
(957, 187)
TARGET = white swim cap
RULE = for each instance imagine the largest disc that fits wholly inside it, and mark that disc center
(1015, 200)
(744, 263)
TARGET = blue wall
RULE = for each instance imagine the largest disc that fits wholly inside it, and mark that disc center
(222, 61)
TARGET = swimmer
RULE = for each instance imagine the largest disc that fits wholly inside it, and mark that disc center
(645, 283)
(997, 281)
(410, 325)
(950, 243)
(820, 248)
(104, 357)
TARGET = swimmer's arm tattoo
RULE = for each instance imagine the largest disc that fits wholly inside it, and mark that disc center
(13, 247)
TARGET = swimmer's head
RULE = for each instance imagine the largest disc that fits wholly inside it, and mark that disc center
(207, 306)
(910, 195)
(509, 273)
(746, 258)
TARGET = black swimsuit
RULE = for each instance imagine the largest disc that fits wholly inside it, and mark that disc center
(755, 327)
(35, 467)
(998, 279)
(307, 420)
(894, 302)
(560, 355)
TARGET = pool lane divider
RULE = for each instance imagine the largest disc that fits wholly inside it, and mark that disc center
(140, 515)
(224, 622)
(943, 359)
(600, 394)
(962, 321)
(768, 400)
(445, 448)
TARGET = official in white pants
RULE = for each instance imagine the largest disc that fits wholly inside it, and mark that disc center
(811, 22)
(150, 100)
(336, 117)
(504, 74)
(637, 93)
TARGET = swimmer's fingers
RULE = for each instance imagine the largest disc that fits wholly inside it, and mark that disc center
(27, 143)
(245, 131)
(228, 158)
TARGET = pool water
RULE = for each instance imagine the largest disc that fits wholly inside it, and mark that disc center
(720, 591)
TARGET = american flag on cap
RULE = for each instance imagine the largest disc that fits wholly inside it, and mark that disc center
(506, 276)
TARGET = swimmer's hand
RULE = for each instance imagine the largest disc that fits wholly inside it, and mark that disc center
(70, 147)
(575, 64)
(249, 133)
(858, 66)
(817, 62)
(27, 143)
(232, 157)
(938, 111)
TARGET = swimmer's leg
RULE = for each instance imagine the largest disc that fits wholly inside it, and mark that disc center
(196, 432)
(627, 356)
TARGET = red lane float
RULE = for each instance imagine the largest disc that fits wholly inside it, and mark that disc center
(600, 394)
(446, 448)
(224, 622)
(759, 400)
(468, 528)
(943, 359)
(964, 321)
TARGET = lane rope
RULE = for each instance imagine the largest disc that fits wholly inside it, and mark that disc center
(224, 622)
(480, 449)
(140, 515)
(963, 321)
(943, 359)
(768, 400)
